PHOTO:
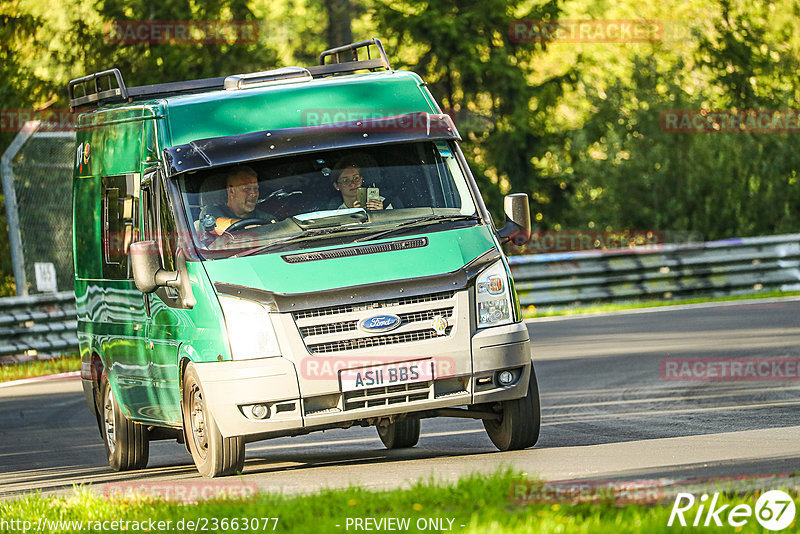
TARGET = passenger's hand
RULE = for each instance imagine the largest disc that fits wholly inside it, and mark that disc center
(372, 205)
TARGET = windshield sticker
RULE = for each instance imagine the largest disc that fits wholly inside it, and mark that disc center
(444, 150)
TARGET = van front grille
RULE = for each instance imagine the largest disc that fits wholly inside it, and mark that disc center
(349, 326)
(420, 319)
(375, 341)
(372, 306)
(330, 328)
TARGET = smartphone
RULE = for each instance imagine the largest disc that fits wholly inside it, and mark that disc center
(362, 197)
(373, 193)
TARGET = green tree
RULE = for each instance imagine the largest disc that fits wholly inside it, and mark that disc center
(632, 174)
(464, 52)
(340, 13)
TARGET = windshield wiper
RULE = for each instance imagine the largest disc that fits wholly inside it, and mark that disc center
(308, 233)
(419, 222)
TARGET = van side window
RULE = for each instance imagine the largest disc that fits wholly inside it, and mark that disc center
(167, 231)
(119, 225)
(148, 225)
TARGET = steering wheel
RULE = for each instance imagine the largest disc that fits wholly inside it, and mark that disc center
(244, 223)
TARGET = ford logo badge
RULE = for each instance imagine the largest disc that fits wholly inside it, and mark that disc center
(379, 323)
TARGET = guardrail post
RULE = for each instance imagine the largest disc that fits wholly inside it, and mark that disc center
(12, 210)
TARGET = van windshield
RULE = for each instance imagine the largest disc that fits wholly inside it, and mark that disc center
(327, 198)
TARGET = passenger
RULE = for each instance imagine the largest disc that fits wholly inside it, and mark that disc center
(242, 190)
(347, 180)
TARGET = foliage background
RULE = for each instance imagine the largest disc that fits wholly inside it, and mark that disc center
(575, 125)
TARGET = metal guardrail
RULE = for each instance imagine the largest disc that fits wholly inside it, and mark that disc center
(47, 323)
(39, 325)
(717, 268)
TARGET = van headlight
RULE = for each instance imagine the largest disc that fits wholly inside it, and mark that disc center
(250, 330)
(493, 297)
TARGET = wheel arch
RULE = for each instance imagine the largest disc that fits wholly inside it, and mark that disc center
(184, 360)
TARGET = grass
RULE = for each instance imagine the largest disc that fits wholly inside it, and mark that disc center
(531, 312)
(18, 371)
(475, 504)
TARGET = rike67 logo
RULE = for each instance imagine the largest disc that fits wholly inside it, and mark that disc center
(774, 510)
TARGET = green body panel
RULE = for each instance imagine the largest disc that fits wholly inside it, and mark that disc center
(446, 252)
(294, 105)
(141, 353)
(114, 138)
(198, 333)
(111, 314)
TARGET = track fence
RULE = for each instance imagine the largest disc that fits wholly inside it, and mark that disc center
(37, 184)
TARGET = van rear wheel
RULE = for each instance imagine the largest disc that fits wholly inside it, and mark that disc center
(518, 427)
(127, 443)
(214, 455)
(400, 434)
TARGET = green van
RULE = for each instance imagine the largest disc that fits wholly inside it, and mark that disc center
(275, 253)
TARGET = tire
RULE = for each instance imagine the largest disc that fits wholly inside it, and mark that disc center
(213, 455)
(400, 434)
(521, 419)
(127, 443)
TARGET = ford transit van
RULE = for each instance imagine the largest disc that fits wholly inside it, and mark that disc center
(275, 253)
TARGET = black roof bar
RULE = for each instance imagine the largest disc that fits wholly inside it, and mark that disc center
(191, 86)
(123, 93)
(94, 94)
(335, 54)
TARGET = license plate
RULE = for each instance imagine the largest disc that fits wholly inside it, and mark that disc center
(393, 374)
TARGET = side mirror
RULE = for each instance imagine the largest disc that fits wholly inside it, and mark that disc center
(518, 219)
(146, 263)
(148, 274)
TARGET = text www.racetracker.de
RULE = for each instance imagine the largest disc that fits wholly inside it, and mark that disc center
(200, 524)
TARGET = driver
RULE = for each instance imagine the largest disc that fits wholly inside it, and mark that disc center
(242, 189)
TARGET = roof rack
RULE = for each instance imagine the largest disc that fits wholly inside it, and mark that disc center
(108, 86)
(97, 94)
(338, 66)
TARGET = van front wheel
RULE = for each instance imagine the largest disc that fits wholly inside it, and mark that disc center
(127, 443)
(400, 434)
(520, 419)
(214, 455)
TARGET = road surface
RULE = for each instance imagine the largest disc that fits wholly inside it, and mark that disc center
(608, 414)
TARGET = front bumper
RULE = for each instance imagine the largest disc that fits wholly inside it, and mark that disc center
(231, 388)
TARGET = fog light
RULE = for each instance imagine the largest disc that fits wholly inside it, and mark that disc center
(259, 411)
(505, 378)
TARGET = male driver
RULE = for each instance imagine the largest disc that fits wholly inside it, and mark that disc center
(242, 191)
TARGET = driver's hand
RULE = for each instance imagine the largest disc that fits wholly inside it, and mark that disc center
(222, 224)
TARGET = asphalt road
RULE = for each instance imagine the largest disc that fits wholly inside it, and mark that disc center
(607, 415)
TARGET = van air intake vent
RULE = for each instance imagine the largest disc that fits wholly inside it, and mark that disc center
(356, 251)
